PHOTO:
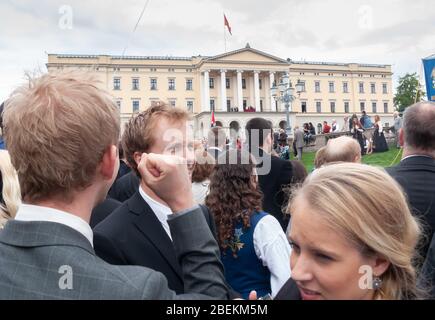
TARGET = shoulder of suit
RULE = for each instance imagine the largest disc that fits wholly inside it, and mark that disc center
(136, 281)
(115, 222)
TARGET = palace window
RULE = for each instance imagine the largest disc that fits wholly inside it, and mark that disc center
(136, 106)
(171, 84)
(117, 84)
(189, 105)
(135, 84)
(331, 87)
(332, 107)
(319, 107)
(153, 84)
(304, 106)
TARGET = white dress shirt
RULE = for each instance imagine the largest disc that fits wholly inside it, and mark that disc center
(160, 210)
(27, 212)
(273, 249)
(215, 148)
(200, 191)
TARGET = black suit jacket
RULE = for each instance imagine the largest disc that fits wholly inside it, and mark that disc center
(427, 276)
(125, 187)
(289, 291)
(132, 235)
(103, 210)
(271, 185)
(416, 175)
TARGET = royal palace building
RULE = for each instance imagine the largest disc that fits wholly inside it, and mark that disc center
(236, 86)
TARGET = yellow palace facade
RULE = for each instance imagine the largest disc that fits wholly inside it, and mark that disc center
(235, 82)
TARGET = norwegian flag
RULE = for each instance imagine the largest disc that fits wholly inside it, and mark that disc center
(213, 120)
(227, 24)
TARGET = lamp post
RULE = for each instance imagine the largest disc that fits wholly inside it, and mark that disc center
(285, 92)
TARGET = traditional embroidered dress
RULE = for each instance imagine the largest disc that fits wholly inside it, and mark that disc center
(244, 271)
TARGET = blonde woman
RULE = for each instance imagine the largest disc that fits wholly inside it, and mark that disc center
(352, 236)
(10, 197)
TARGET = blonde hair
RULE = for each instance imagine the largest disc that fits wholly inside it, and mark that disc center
(319, 159)
(57, 129)
(345, 149)
(11, 189)
(367, 207)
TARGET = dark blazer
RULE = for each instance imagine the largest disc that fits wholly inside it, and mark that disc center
(123, 169)
(103, 210)
(289, 291)
(427, 277)
(37, 258)
(416, 175)
(125, 187)
(271, 183)
(132, 235)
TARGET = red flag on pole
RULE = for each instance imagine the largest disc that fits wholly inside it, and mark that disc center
(227, 24)
(213, 121)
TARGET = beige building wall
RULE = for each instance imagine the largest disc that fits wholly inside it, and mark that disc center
(255, 68)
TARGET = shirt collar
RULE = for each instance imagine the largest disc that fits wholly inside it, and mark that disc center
(215, 148)
(416, 155)
(29, 213)
(155, 205)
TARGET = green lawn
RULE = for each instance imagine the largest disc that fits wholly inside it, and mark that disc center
(384, 159)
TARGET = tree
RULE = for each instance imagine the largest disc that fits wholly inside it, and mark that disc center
(408, 92)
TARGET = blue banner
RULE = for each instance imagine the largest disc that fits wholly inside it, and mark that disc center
(429, 71)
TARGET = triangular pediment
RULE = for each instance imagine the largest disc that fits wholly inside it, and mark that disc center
(248, 55)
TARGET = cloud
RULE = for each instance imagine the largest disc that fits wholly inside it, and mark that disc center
(397, 32)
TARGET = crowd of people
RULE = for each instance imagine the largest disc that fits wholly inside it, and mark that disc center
(158, 215)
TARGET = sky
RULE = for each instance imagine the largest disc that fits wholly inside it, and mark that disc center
(396, 32)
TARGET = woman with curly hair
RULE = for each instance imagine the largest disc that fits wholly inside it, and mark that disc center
(254, 248)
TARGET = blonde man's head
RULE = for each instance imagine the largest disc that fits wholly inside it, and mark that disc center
(368, 208)
(57, 128)
(342, 149)
(140, 132)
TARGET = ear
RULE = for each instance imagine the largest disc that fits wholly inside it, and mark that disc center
(380, 265)
(357, 159)
(401, 137)
(109, 162)
(269, 139)
(137, 156)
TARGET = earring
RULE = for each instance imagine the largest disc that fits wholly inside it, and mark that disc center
(377, 283)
